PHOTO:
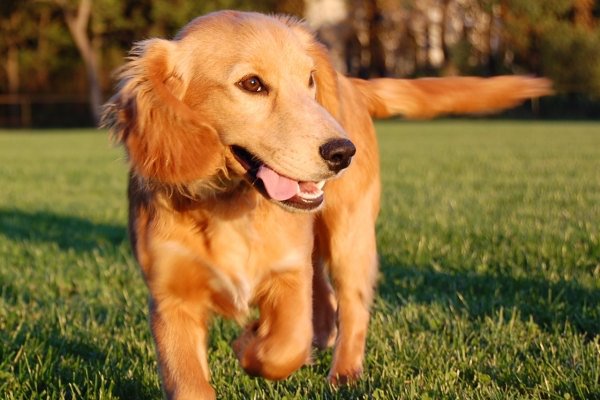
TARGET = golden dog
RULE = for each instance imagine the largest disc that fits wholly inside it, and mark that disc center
(229, 128)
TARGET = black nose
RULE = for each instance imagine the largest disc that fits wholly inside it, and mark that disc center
(337, 153)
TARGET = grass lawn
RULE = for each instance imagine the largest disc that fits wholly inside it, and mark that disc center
(489, 240)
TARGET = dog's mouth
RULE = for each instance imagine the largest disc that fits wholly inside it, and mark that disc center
(301, 195)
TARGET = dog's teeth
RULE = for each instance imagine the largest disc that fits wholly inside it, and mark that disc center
(310, 195)
(320, 184)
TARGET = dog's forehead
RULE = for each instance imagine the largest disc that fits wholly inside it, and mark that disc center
(241, 37)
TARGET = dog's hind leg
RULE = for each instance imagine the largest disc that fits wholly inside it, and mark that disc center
(324, 304)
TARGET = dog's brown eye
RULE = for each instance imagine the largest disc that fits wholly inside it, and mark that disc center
(252, 84)
(311, 80)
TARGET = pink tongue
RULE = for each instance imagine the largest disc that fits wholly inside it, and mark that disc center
(279, 187)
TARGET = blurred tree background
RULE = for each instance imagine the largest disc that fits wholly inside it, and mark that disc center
(57, 56)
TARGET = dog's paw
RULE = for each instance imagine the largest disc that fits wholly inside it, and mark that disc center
(241, 343)
(325, 333)
(344, 378)
(261, 353)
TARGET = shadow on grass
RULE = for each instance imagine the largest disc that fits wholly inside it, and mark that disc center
(67, 232)
(552, 305)
(124, 384)
(78, 361)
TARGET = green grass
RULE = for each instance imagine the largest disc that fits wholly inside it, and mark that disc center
(490, 271)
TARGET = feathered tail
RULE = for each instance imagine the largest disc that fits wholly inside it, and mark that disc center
(430, 97)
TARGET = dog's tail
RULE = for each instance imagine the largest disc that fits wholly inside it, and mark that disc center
(430, 97)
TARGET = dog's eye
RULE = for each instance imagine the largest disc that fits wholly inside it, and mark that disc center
(311, 80)
(252, 84)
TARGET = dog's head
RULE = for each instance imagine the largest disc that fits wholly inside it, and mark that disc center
(252, 95)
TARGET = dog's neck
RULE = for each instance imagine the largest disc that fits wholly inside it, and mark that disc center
(221, 194)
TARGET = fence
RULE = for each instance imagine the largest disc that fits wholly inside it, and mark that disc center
(59, 111)
(26, 111)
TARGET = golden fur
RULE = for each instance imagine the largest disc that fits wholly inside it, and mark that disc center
(235, 93)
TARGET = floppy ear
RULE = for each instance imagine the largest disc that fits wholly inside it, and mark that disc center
(164, 138)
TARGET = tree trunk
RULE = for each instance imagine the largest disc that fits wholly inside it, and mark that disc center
(12, 69)
(377, 66)
(12, 56)
(584, 13)
(446, 62)
(78, 25)
(43, 49)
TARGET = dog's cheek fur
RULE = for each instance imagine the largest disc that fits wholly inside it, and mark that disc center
(165, 139)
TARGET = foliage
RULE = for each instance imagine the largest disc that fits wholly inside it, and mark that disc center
(572, 59)
(37, 29)
(544, 36)
(490, 271)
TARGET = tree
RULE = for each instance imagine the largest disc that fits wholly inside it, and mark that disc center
(584, 14)
(66, 46)
(558, 39)
(77, 18)
(14, 17)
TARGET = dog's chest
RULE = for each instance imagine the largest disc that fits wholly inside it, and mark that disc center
(238, 255)
(260, 244)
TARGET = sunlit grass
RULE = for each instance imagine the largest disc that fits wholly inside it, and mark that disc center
(490, 271)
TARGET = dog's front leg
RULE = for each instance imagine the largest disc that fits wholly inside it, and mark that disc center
(280, 341)
(180, 332)
(180, 309)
